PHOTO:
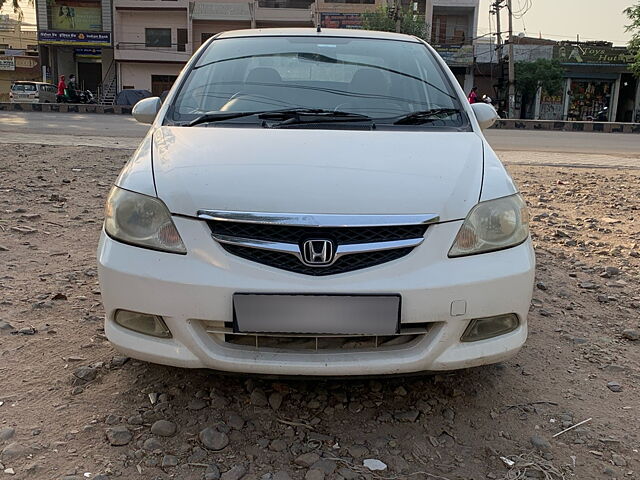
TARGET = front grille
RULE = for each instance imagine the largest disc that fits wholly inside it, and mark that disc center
(297, 235)
(290, 263)
(340, 235)
(221, 332)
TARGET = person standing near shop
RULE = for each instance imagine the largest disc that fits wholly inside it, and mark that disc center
(473, 95)
(72, 88)
(61, 89)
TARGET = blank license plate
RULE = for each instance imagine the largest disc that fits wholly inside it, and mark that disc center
(316, 314)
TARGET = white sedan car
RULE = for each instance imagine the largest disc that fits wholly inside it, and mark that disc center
(316, 203)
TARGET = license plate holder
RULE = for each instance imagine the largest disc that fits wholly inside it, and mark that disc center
(321, 314)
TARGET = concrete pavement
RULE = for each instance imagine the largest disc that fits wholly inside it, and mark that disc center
(122, 131)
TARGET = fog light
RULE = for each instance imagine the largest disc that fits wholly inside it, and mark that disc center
(483, 328)
(142, 323)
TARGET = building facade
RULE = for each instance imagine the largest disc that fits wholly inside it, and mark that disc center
(74, 37)
(18, 50)
(453, 31)
(153, 39)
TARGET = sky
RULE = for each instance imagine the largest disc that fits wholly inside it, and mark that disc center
(564, 19)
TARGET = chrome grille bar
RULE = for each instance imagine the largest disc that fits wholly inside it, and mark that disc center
(318, 219)
(294, 249)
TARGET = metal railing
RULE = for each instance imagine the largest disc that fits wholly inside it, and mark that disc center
(173, 47)
(301, 4)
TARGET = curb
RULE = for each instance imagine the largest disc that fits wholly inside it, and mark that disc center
(66, 108)
(563, 126)
(503, 124)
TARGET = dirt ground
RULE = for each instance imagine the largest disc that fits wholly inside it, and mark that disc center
(59, 420)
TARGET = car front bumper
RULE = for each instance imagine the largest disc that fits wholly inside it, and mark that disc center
(186, 290)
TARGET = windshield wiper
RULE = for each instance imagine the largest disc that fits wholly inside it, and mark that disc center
(290, 116)
(425, 116)
(317, 116)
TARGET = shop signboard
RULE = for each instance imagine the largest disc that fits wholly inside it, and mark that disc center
(27, 62)
(551, 107)
(456, 55)
(87, 52)
(7, 63)
(577, 54)
(75, 15)
(75, 38)
(341, 20)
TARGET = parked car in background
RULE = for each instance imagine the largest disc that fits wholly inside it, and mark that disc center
(316, 203)
(32, 92)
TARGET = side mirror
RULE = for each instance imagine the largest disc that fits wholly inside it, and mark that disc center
(485, 114)
(145, 110)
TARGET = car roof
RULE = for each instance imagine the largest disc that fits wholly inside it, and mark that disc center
(312, 32)
(18, 82)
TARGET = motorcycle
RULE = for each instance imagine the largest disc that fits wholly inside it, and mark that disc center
(77, 96)
(601, 116)
(85, 96)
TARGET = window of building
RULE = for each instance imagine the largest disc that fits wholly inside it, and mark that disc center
(205, 36)
(450, 30)
(161, 83)
(182, 38)
(157, 37)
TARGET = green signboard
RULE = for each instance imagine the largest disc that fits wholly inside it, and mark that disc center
(456, 55)
(576, 54)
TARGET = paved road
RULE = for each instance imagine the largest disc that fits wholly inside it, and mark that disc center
(124, 132)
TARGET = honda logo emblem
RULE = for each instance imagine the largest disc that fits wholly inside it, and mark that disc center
(318, 252)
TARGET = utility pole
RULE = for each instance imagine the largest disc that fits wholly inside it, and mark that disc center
(499, 34)
(512, 65)
(497, 5)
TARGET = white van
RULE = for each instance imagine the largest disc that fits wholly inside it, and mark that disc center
(32, 92)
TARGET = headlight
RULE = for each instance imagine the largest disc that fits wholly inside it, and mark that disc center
(492, 225)
(141, 220)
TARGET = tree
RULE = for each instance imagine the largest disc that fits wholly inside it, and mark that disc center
(384, 19)
(634, 44)
(547, 74)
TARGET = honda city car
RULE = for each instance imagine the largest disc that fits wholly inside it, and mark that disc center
(316, 203)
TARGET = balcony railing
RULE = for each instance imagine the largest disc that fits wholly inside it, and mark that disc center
(302, 4)
(456, 40)
(174, 47)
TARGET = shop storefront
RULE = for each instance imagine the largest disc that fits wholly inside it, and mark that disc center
(589, 99)
(598, 83)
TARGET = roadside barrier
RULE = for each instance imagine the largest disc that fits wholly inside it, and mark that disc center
(504, 124)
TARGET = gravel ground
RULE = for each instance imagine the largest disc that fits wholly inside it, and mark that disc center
(72, 408)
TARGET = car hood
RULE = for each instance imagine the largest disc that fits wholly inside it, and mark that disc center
(317, 171)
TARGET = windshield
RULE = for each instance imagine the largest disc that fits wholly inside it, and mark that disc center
(381, 79)
(24, 87)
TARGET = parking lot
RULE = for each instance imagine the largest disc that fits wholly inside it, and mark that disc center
(71, 407)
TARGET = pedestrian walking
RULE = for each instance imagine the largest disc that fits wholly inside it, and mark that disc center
(62, 87)
(473, 96)
(72, 88)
